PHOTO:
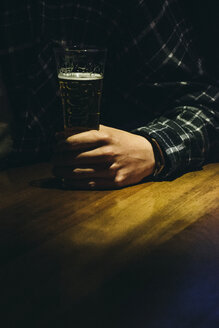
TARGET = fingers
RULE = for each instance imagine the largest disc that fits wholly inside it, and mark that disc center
(83, 173)
(84, 140)
(98, 155)
(92, 177)
(107, 158)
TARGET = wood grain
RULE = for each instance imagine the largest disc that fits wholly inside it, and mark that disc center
(59, 246)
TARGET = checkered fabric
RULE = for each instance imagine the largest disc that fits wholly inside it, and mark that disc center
(155, 84)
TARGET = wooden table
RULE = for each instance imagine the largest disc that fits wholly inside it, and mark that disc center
(142, 256)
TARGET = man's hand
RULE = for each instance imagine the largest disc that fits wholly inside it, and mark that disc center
(107, 158)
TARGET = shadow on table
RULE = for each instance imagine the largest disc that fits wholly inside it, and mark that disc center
(48, 183)
(175, 286)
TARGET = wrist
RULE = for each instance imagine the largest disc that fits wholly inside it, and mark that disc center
(158, 156)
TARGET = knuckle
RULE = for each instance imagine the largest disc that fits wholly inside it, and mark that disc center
(119, 180)
(109, 152)
(105, 138)
(113, 169)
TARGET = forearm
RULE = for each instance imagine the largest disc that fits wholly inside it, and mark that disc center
(186, 136)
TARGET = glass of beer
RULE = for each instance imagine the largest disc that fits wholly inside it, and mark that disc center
(80, 74)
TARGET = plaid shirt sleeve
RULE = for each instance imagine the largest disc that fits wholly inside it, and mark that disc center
(187, 130)
(153, 74)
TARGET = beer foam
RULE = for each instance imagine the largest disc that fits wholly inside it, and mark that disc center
(80, 76)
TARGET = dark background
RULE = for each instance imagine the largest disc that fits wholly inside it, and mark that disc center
(204, 15)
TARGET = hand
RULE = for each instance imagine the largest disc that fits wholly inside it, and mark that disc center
(105, 158)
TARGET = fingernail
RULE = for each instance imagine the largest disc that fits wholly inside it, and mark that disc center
(92, 184)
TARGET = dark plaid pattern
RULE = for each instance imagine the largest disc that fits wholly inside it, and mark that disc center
(155, 84)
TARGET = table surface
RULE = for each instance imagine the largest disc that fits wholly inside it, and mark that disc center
(142, 256)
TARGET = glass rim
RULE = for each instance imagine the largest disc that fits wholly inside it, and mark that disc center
(69, 46)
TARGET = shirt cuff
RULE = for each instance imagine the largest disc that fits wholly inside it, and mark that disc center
(172, 146)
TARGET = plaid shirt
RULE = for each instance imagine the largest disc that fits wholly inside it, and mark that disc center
(155, 84)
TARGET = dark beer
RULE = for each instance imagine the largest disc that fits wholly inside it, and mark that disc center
(80, 95)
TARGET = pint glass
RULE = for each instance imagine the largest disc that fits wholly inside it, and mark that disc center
(80, 74)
